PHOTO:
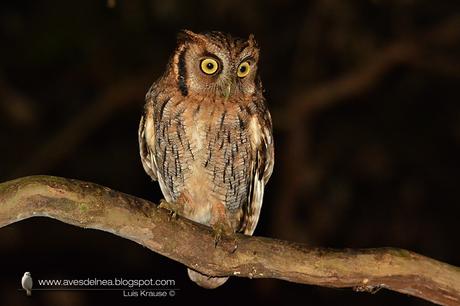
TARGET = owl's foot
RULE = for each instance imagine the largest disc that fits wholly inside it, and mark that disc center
(224, 236)
(220, 230)
(224, 233)
(172, 207)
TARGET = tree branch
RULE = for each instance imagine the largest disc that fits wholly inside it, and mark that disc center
(89, 205)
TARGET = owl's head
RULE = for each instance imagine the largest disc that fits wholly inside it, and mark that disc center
(215, 64)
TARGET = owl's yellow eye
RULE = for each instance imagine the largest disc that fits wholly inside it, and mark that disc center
(243, 69)
(209, 66)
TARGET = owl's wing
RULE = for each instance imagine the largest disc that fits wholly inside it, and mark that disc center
(146, 136)
(261, 169)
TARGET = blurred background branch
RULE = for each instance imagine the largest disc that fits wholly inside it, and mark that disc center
(409, 51)
(67, 140)
(418, 51)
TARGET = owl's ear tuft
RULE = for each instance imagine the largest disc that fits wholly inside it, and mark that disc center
(252, 41)
(187, 36)
(254, 47)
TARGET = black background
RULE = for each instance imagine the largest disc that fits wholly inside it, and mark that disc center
(375, 166)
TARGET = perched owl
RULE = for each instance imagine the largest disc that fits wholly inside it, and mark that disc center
(206, 135)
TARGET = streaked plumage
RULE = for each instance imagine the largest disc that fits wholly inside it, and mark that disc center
(207, 137)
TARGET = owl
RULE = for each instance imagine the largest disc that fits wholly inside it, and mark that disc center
(206, 135)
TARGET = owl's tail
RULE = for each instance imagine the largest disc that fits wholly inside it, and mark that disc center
(29, 292)
(208, 282)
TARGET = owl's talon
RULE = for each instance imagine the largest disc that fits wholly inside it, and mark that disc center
(172, 216)
(217, 238)
(235, 246)
(222, 230)
(227, 242)
(171, 207)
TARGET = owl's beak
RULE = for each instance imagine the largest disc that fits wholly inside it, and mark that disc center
(227, 90)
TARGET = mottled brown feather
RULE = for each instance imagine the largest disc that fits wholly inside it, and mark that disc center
(207, 139)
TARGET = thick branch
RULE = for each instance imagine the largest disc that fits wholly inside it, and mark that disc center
(92, 206)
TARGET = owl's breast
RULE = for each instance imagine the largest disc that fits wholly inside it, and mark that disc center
(203, 155)
(219, 144)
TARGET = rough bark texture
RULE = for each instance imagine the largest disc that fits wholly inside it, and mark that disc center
(89, 205)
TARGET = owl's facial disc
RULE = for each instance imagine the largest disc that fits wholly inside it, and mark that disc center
(216, 64)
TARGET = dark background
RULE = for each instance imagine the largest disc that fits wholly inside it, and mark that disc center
(364, 97)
